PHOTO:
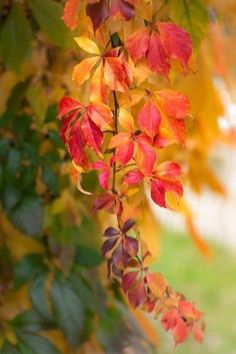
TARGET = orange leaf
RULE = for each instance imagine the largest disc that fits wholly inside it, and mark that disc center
(70, 14)
(82, 71)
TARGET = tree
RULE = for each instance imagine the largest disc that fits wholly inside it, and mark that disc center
(126, 117)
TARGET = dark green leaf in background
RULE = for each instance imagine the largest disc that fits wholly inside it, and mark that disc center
(34, 344)
(68, 309)
(11, 196)
(37, 295)
(13, 161)
(26, 268)
(9, 349)
(30, 321)
(28, 216)
(15, 38)
(87, 256)
(51, 179)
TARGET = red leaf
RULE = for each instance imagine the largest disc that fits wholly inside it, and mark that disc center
(149, 118)
(157, 56)
(104, 174)
(67, 105)
(76, 146)
(93, 136)
(128, 280)
(117, 73)
(70, 14)
(180, 331)
(133, 177)
(137, 294)
(198, 333)
(145, 156)
(66, 125)
(175, 104)
(168, 170)
(98, 12)
(169, 319)
(101, 115)
(124, 152)
(188, 310)
(160, 187)
(104, 201)
(178, 42)
(137, 44)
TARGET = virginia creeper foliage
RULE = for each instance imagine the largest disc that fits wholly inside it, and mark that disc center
(119, 132)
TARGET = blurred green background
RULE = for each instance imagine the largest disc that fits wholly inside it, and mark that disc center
(212, 284)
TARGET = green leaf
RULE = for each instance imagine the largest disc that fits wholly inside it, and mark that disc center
(21, 125)
(51, 179)
(68, 309)
(11, 196)
(30, 321)
(34, 344)
(55, 138)
(191, 15)
(37, 295)
(28, 216)
(4, 145)
(83, 290)
(26, 268)
(15, 38)
(48, 16)
(13, 161)
(87, 256)
(14, 103)
(9, 349)
(51, 113)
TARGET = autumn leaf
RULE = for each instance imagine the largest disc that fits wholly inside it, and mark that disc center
(82, 71)
(98, 12)
(70, 14)
(87, 45)
(157, 55)
(117, 73)
(138, 43)
(149, 119)
(178, 43)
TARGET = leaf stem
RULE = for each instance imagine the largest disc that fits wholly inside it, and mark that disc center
(116, 107)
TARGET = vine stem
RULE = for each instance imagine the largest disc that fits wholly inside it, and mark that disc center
(116, 107)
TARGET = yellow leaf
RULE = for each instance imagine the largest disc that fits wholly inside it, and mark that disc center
(98, 88)
(7, 81)
(15, 302)
(82, 71)
(126, 120)
(14, 237)
(87, 45)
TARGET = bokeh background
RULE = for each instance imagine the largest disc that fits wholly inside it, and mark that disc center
(54, 294)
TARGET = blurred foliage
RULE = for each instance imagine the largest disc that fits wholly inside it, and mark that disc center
(212, 283)
(54, 297)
